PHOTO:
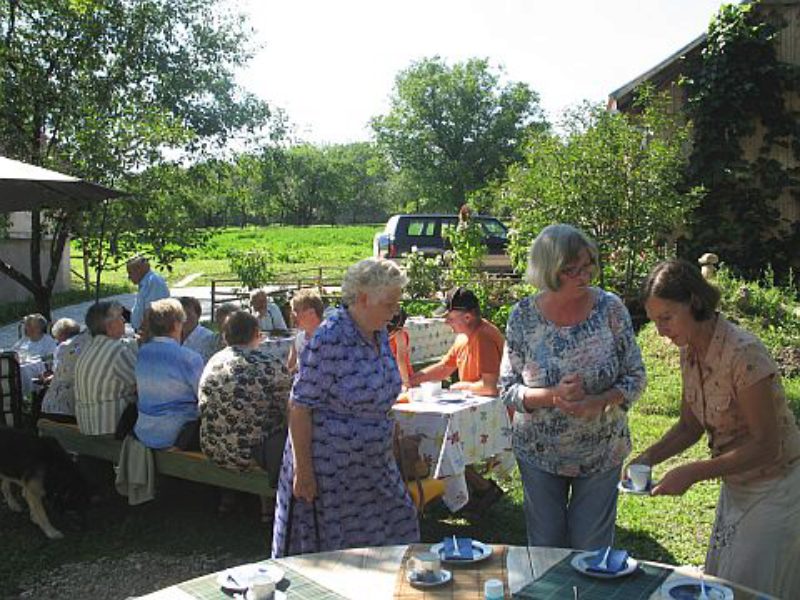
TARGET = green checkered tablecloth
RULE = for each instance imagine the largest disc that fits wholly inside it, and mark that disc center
(296, 586)
(558, 581)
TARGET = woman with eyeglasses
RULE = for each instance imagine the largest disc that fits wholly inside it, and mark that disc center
(571, 369)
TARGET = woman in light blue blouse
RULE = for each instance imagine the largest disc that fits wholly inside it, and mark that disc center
(571, 369)
(167, 377)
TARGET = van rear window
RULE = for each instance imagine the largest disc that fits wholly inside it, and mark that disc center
(421, 227)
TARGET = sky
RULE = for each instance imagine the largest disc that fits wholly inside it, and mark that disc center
(331, 64)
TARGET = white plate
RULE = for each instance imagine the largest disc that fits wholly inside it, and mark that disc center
(444, 577)
(691, 587)
(279, 595)
(626, 487)
(480, 551)
(578, 563)
(244, 574)
(451, 397)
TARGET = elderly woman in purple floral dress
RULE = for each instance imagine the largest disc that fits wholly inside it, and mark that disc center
(340, 486)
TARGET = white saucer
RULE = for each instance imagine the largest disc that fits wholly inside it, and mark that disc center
(244, 574)
(688, 588)
(480, 551)
(578, 563)
(625, 487)
(444, 577)
(278, 595)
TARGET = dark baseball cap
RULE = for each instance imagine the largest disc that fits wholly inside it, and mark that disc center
(458, 299)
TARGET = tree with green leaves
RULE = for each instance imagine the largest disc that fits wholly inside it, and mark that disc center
(101, 88)
(456, 128)
(615, 176)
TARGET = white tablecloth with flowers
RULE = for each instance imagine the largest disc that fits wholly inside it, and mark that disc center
(455, 434)
(429, 338)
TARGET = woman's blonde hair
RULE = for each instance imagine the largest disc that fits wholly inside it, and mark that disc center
(163, 314)
(307, 298)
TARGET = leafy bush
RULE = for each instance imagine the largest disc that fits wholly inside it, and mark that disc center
(766, 309)
(252, 267)
(426, 276)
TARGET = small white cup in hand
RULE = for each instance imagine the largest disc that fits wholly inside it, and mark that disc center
(261, 588)
(639, 475)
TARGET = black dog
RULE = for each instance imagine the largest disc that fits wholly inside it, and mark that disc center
(43, 469)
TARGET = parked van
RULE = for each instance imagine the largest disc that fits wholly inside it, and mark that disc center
(424, 231)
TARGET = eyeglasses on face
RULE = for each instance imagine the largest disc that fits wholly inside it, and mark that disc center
(577, 271)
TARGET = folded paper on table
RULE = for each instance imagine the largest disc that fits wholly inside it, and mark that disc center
(464, 552)
(617, 560)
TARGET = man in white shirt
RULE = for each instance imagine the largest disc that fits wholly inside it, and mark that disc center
(194, 336)
(152, 287)
(267, 312)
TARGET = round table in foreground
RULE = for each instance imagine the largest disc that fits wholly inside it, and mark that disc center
(362, 573)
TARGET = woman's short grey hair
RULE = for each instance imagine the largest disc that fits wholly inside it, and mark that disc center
(99, 314)
(556, 247)
(66, 328)
(164, 314)
(37, 319)
(372, 276)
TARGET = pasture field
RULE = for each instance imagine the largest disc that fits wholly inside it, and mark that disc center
(293, 248)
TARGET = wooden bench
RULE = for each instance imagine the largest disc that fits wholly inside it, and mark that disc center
(193, 466)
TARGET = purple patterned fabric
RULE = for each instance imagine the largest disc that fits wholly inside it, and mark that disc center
(362, 499)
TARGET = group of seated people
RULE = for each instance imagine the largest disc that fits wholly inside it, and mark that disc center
(176, 372)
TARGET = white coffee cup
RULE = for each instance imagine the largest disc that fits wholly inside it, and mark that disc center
(426, 566)
(262, 587)
(639, 475)
(431, 389)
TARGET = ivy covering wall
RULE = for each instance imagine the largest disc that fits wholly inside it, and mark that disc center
(736, 90)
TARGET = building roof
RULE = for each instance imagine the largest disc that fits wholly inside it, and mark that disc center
(665, 71)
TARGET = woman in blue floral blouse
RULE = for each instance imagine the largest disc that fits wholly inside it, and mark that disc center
(571, 369)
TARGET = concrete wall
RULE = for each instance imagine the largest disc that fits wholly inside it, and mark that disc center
(16, 251)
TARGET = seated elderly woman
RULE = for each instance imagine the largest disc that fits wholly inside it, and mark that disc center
(266, 311)
(194, 336)
(167, 376)
(243, 394)
(307, 312)
(104, 371)
(243, 398)
(36, 343)
(339, 485)
(58, 403)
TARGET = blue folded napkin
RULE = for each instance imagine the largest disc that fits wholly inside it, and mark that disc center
(617, 560)
(465, 551)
